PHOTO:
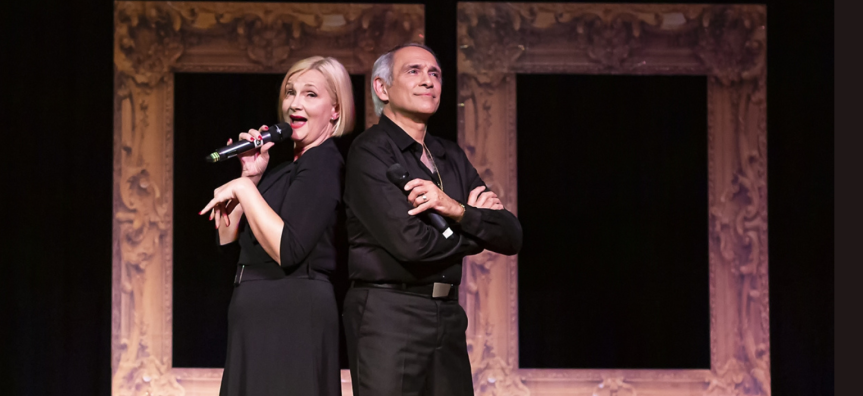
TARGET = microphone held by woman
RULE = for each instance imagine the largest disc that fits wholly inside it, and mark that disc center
(275, 134)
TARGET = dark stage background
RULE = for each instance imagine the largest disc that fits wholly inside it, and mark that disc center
(57, 266)
(612, 199)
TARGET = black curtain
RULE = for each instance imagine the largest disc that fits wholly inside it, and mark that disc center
(56, 256)
(612, 199)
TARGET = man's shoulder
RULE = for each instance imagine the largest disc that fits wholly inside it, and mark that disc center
(375, 136)
(449, 146)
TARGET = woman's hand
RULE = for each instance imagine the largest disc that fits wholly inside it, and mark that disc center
(254, 162)
(225, 200)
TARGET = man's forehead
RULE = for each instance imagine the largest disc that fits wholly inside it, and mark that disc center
(415, 55)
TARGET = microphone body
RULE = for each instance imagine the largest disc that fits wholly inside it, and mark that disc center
(400, 176)
(275, 134)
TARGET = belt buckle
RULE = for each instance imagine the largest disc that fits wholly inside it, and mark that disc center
(441, 290)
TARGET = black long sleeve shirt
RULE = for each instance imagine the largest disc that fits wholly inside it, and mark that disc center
(389, 245)
(306, 195)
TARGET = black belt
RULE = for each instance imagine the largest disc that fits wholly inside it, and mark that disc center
(273, 271)
(444, 291)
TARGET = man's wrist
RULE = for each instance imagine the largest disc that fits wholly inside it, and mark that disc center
(460, 210)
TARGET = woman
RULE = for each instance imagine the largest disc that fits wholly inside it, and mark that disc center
(282, 321)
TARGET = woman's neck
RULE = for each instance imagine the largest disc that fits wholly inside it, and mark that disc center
(300, 148)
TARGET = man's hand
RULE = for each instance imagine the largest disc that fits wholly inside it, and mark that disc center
(425, 195)
(484, 200)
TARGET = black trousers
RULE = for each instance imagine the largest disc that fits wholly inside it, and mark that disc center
(406, 344)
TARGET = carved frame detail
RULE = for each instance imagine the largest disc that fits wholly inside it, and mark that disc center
(152, 41)
(727, 43)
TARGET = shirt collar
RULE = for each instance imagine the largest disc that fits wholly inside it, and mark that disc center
(405, 141)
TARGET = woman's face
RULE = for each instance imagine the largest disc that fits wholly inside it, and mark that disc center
(309, 107)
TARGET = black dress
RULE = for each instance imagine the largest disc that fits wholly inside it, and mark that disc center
(283, 322)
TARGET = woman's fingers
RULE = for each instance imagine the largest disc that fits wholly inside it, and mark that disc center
(266, 147)
(253, 134)
(226, 215)
(223, 215)
(210, 205)
(218, 216)
(220, 210)
(223, 197)
(207, 207)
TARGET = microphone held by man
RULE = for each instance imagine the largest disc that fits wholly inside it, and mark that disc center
(400, 176)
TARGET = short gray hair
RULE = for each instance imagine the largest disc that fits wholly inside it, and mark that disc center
(383, 68)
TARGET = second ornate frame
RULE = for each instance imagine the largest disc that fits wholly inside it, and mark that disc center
(727, 44)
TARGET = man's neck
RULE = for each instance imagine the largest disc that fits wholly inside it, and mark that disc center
(413, 126)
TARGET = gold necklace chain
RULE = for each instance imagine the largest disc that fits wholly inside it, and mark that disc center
(434, 165)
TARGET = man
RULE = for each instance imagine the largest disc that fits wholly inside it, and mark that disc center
(405, 329)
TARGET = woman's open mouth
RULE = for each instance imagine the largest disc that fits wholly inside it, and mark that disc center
(297, 121)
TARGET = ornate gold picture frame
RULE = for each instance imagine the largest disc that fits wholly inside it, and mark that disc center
(725, 43)
(152, 41)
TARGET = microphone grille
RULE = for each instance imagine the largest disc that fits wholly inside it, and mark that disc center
(398, 175)
(280, 132)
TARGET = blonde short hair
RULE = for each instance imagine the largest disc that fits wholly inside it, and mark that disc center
(338, 86)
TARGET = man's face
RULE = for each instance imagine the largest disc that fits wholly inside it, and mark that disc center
(416, 83)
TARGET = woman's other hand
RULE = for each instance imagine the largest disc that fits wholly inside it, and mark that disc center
(225, 200)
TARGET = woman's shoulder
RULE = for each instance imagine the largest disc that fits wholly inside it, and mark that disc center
(279, 168)
(324, 156)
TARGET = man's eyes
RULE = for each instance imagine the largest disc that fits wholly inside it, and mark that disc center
(415, 71)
